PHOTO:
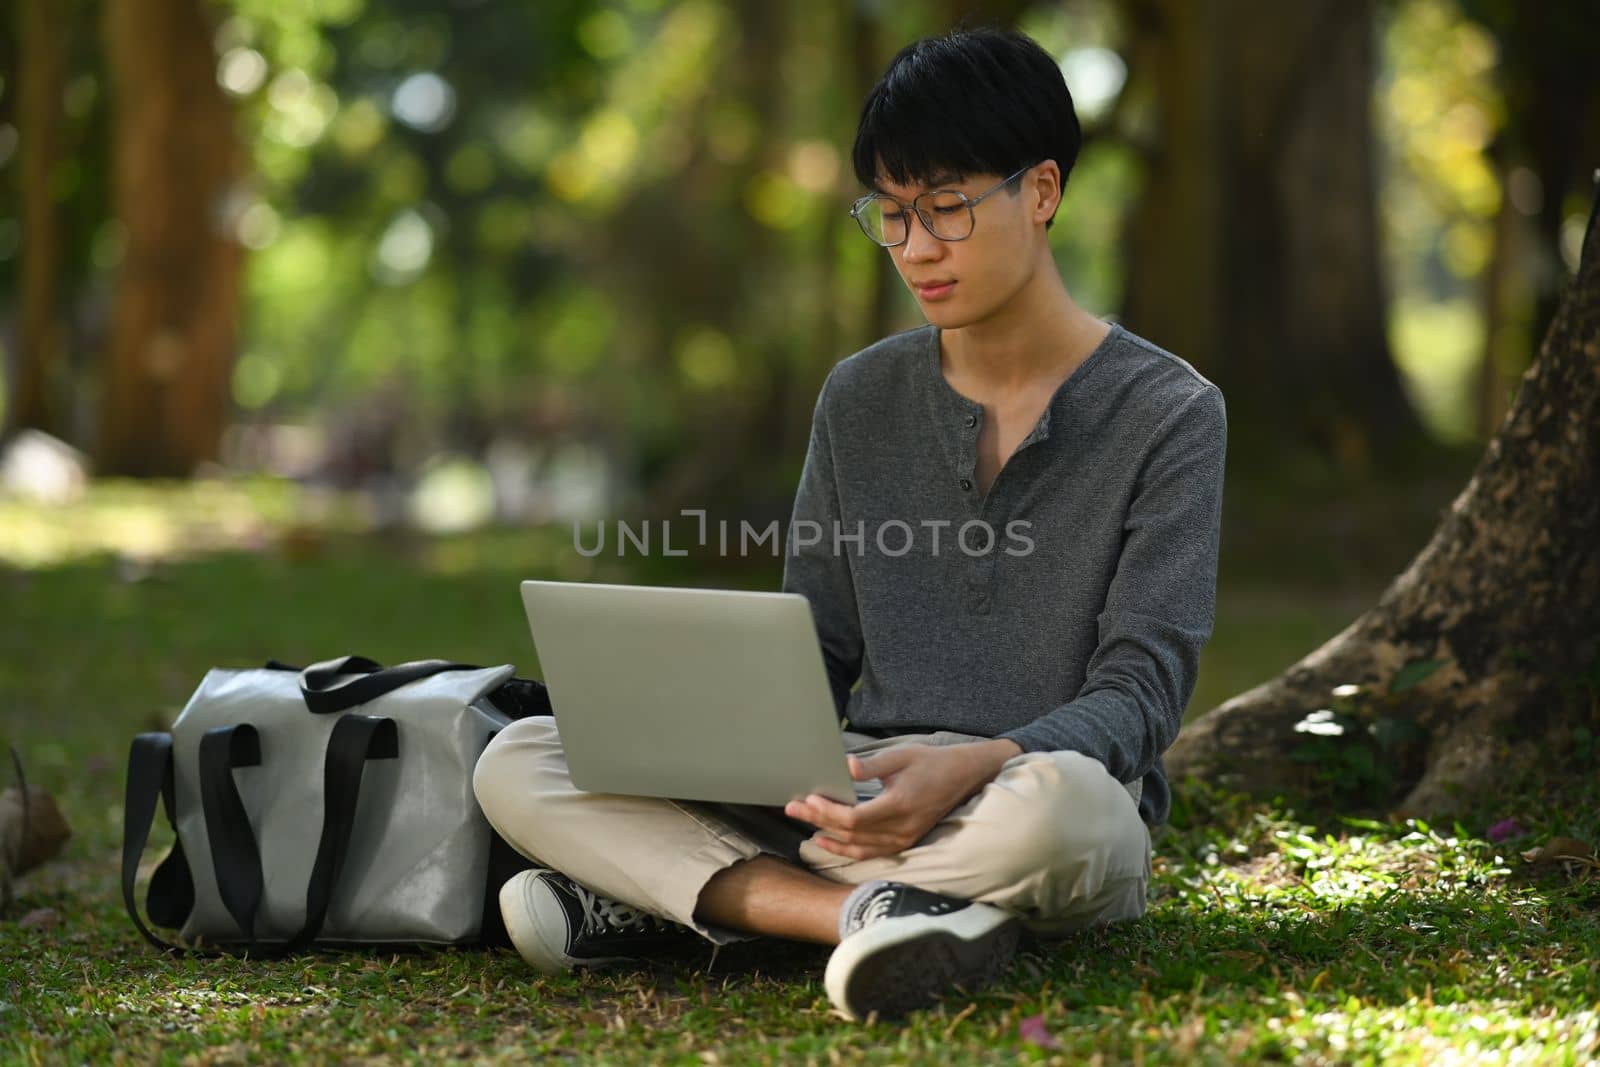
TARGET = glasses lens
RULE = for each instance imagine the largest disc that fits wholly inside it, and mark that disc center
(948, 215)
(882, 219)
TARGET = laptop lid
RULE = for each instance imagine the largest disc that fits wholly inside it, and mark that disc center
(694, 694)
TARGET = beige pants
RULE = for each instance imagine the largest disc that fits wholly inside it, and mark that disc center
(1053, 838)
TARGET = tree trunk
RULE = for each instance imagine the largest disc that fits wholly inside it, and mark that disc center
(36, 391)
(866, 67)
(175, 309)
(1505, 597)
(1255, 245)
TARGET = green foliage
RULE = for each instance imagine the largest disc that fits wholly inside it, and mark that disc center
(454, 196)
(1365, 746)
(1440, 106)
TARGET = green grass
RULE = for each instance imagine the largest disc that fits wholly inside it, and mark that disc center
(1271, 937)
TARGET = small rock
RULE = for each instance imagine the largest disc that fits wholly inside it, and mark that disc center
(42, 468)
(40, 919)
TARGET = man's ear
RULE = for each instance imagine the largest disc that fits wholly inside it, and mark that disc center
(1045, 182)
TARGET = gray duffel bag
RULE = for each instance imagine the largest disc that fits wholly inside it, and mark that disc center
(326, 806)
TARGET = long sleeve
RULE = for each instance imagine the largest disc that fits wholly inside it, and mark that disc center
(811, 566)
(1159, 607)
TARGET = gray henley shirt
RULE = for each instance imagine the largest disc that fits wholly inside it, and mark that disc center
(1065, 609)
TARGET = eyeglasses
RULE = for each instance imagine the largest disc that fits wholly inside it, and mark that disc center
(947, 213)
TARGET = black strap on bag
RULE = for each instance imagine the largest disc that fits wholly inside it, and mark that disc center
(234, 854)
(236, 857)
(171, 894)
(518, 698)
(323, 695)
(355, 740)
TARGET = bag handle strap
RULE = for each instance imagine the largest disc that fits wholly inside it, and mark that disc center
(355, 740)
(236, 858)
(171, 892)
(234, 855)
(323, 695)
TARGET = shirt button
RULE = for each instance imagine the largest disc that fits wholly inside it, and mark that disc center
(972, 420)
(966, 484)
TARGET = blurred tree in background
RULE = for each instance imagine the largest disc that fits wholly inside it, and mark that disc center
(176, 163)
(1256, 236)
(604, 240)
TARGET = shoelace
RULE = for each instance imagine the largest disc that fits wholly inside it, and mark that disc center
(601, 914)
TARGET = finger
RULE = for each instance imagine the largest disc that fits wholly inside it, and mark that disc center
(858, 851)
(810, 808)
(812, 817)
(879, 764)
(881, 809)
(842, 818)
(861, 839)
(831, 813)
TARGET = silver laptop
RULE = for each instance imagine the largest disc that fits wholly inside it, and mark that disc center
(694, 694)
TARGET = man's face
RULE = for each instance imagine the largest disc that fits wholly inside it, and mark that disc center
(958, 283)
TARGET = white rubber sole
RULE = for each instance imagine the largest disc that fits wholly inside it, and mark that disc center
(535, 922)
(905, 963)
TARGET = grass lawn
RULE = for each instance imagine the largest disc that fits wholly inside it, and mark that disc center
(1270, 938)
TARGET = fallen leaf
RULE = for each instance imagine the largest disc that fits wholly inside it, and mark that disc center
(31, 832)
(1563, 850)
(1034, 1032)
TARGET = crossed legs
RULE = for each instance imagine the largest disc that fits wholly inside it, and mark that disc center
(1053, 838)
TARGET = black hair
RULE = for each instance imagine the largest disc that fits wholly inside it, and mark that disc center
(972, 101)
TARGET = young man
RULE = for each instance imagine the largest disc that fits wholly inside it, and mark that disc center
(1019, 515)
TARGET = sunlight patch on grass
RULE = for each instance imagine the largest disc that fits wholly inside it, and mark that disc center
(162, 520)
(1444, 1035)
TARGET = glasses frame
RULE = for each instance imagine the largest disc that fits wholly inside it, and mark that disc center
(859, 207)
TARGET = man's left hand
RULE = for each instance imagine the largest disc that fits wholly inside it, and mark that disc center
(922, 784)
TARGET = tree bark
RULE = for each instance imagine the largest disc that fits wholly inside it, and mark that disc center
(1506, 596)
(1255, 244)
(175, 309)
(35, 397)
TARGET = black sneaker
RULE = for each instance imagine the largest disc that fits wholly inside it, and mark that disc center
(901, 947)
(556, 925)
